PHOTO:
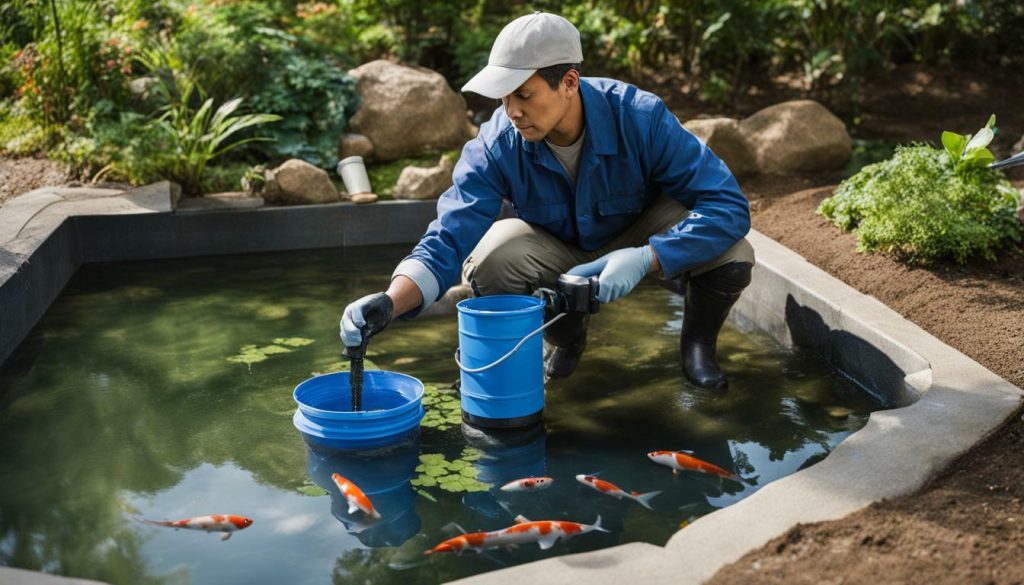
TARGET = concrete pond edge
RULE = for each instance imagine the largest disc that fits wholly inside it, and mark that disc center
(940, 403)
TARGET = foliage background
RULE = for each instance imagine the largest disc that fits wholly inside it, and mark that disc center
(82, 96)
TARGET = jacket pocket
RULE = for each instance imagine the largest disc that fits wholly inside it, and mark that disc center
(621, 205)
(544, 214)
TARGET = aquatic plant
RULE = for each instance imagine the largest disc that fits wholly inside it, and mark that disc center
(444, 410)
(251, 354)
(451, 476)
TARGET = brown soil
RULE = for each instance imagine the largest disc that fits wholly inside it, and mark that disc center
(21, 175)
(968, 525)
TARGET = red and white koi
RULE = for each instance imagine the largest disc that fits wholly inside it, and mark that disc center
(528, 484)
(357, 500)
(544, 532)
(679, 461)
(226, 523)
(608, 488)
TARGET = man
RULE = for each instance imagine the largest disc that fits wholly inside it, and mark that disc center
(605, 182)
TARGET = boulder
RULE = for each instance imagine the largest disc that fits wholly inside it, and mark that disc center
(355, 145)
(796, 137)
(296, 182)
(425, 183)
(405, 111)
(723, 137)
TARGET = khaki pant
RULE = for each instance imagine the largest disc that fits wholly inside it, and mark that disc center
(515, 257)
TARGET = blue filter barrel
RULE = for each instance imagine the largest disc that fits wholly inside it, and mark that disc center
(510, 394)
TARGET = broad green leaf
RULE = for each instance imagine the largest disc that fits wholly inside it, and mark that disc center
(991, 121)
(431, 457)
(979, 157)
(954, 144)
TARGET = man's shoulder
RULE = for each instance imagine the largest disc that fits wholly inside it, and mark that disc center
(624, 96)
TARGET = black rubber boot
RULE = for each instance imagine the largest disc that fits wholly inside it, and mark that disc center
(708, 300)
(564, 343)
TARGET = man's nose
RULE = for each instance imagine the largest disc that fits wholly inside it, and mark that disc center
(513, 111)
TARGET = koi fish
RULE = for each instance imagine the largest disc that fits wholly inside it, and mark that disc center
(357, 500)
(226, 523)
(679, 461)
(528, 484)
(544, 532)
(607, 487)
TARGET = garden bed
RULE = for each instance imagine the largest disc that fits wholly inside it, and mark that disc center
(968, 525)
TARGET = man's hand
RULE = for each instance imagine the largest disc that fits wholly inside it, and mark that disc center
(618, 271)
(373, 311)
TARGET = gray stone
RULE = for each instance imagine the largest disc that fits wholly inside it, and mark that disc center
(363, 198)
(10, 576)
(220, 202)
(406, 111)
(425, 183)
(355, 145)
(297, 182)
(723, 137)
(796, 137)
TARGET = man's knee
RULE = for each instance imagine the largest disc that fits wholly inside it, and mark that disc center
(504, 262)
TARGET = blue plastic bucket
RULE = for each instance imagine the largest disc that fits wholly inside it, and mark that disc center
(392, 410)
(511, 394)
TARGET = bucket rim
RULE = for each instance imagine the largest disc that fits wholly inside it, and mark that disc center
(535, 304)
(417, 398)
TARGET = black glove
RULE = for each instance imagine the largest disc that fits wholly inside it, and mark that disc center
(371, 314)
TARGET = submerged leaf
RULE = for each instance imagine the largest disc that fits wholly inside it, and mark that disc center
(312, 491)
(293, 341)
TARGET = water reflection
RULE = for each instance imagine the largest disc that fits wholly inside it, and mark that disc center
(384, 476)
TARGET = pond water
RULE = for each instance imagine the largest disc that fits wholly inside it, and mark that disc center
(163, 390)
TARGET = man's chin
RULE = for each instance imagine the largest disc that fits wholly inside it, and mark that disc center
(530, 134)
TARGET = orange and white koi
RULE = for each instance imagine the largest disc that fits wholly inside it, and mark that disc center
(544, 532)
(679, 461)
(226, 523)
(357, 500)
(528, 484)
(609, 488)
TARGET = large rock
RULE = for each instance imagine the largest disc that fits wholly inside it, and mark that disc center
(425, 183)
(796, 137)
(405, 111)
(355, 145)
(723, 137)
(297, 181)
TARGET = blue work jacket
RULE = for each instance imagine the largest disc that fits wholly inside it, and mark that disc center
(634, 149)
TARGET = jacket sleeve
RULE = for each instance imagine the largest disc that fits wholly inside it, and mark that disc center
(685, 169)
(464, 213)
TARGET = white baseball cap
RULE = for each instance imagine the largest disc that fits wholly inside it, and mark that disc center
(525, 45)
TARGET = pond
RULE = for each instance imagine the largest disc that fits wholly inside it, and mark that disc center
(163, 390)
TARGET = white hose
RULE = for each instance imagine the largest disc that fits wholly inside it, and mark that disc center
(509, 354)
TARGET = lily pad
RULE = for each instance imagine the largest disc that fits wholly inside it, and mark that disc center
(312, 491)
(432, 457)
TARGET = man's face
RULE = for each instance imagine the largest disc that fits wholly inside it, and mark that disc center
(535, 109)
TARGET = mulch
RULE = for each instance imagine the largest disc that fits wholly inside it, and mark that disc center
(967, 526)
(21, 175)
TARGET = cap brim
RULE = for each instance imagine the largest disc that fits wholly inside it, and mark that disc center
(497, 82)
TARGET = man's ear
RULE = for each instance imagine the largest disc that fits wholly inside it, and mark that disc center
(571, 82)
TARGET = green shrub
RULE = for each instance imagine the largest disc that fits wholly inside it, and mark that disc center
(315, 100)
(923, 205)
